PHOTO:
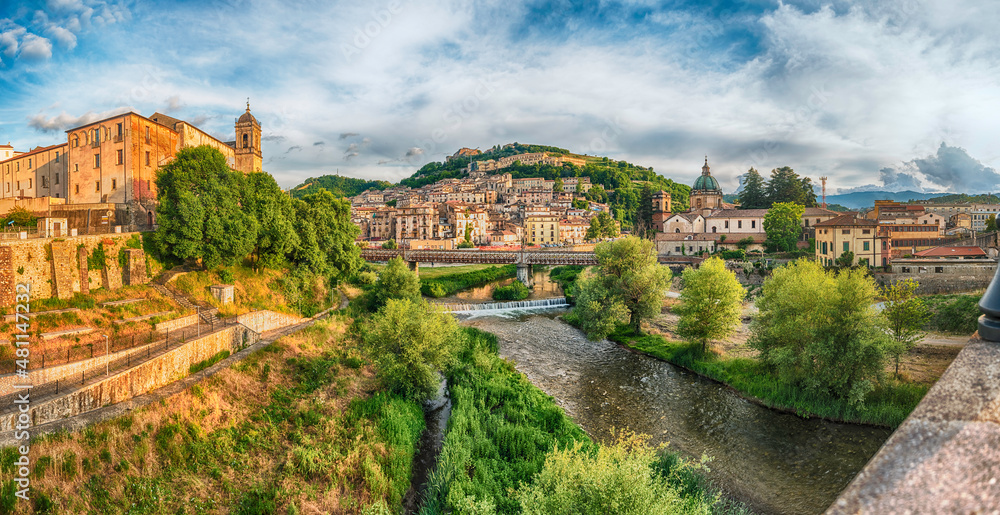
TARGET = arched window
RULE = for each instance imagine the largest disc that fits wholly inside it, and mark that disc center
(245, 139)
(149, 215)
(713, 228)
(677, 230)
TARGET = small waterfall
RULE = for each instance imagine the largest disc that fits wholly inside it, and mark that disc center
(559, 302)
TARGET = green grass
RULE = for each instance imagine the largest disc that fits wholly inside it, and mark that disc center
(887, 406)
(435, 272)
(503, 428)
(444, 285)
(203, 364)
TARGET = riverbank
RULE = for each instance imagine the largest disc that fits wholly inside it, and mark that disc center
(502, 431)
(774, 462)
(447, 284)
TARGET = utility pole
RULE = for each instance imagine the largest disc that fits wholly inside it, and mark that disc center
(823, 180)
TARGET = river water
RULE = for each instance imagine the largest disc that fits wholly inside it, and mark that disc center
(544, 288)
(774, 462)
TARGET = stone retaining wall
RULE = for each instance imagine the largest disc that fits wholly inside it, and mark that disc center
(157, 372)
(265, 320)
(178, 323)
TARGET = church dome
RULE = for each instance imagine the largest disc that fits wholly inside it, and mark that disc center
(247, 117)
(705, 182)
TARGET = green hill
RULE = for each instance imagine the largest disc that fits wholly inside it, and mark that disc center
(964, 198)
(617, 183)
(338, 185)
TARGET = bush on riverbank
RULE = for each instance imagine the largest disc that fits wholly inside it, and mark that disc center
(565, 277)
(504, 432)
(953, 313)
(887, 405)
(513, 291)
(448, 284)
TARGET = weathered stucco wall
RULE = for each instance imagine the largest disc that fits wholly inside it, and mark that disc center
(157, 372)
(177, 323)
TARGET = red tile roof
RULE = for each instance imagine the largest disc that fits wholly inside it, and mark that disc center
(847, 220)
(946, 251)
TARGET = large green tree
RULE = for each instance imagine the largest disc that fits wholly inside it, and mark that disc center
(819, 329)
(905, 314)
(410, 343)
(644, 213)
(272, 208)
(602, 226)
(395, 281)
(786, 186)
(200, 214)
(783, 225)
(629, 281)
(711, 303)
(754, 194)
(326, 235)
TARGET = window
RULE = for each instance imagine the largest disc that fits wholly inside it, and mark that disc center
(824, 247)
(45, 182)
(57, 156)
(97, 160)
(18, 184)
(753, 224)
(97, 188)
(866, 231)
(76, 167)
(29, 183)
(739, 224)
(29, 163)
(147, 158)
(847, 246)
(97, 135)
(845, 231)
(121, 157)
(121, 132)
(906, 269)
(114, 186)
(866, 246)
(727, 225)
(57, 177)
(147, 134)
(939, 270)
(76, 141)
(77, 189)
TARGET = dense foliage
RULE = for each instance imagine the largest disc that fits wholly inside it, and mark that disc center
(711, 303)
(395, 281)
(628, 284)
(410, 342)
(906, 315)
(784, 186)
(339, 185)
(819, 330)
(19, 216)
(565, 277)
(219, 216)
(783, 225)
(957, 313)
(602, 226)
(513, 291)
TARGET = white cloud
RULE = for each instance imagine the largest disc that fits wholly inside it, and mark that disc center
(65, 38)
(35, 48)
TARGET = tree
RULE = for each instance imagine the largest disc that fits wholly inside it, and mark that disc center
(644, 213)
(579, 203)
(326, 235)
(783, 225)
(579, 186)
(390, 244)
(597, 194)
(991, 223)
(558, 185)
(602, 226)
(845, 260)
(410, 342)
(629, 282)
(786, 186)
(21, 217)
(200, 214)
(395, 281)
(711, 303)
(905, 314)
(754, 195)
(272, 208)
(819, 329)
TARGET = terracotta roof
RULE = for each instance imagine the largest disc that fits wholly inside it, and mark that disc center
(946, 251)
(847, 220)
(738, 213)
(818, 211)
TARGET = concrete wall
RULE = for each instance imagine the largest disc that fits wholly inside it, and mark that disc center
(157, 372)
(262, 321)
(45, 263)
(931, 283)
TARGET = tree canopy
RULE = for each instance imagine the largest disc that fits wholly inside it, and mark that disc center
(783, 225)
(711, 303)
(629, 282)
(602, 226)
(905, 314)
(784, 186)
(754, 194)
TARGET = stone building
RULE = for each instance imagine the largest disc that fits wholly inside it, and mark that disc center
(38, 173)
(846, 233)
(706, 193)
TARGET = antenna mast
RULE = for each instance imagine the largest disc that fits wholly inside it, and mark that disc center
(823, 180)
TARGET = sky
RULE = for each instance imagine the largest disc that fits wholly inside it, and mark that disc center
(883, 94)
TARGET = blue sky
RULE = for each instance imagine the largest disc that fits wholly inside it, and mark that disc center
(881, 94)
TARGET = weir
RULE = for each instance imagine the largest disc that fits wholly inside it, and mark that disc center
(519, 304)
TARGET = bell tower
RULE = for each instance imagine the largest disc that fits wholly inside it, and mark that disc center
(248, 157)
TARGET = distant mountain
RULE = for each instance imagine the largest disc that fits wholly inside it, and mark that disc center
(860, 199)
(339, 185)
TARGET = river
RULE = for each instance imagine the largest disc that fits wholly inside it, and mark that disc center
(774, 462)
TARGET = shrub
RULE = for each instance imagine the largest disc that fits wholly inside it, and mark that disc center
(514, 291)
(366, 278)
(733, 254)
(448, 284)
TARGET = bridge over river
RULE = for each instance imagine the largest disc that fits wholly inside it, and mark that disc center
(523, 259)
